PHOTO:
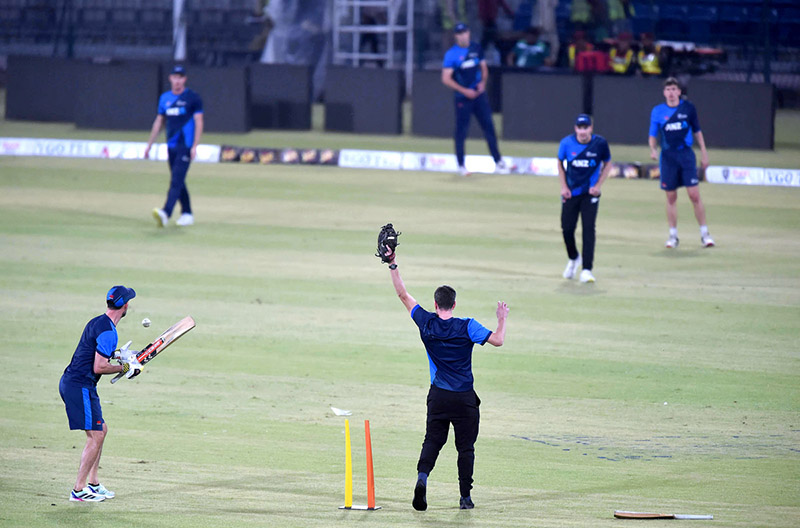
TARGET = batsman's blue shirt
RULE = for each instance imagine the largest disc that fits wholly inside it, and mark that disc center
(583, 161)
(466, 64)
(100, 335)
(674, 125)
(179, 111)
(449, 345)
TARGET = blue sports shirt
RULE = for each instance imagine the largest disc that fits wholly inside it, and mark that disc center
(583, 161)
(179, 111)
(674, 125)
(100, 335)
(449, 345)
(466, 64)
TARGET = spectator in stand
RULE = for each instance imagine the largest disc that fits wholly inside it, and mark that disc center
(579, 43)
(621, 56)
(590, 16)
(649, 56)
(530, 52)
(620, 13)
(451, 12)
(487, 12)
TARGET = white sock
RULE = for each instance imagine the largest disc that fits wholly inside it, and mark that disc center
(673, 232)
(703, 230)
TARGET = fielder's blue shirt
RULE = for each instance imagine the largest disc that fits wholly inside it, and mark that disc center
(179, 111)
(674, 125)
(449, 345)
(583, 161)
(100, 335)
(466, 64)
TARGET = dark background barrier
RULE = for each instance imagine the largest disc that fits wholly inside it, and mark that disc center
(280, 96)
(735, 114)
(364, 100)
(540, 107)
(621, 108)
(432, 107)
(42, 88)
(103, 100)
(225, 93)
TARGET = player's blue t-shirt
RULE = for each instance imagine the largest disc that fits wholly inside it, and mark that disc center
(449, 345)
(179, 111)
(674, 125)
(466, 64)
(100, 335)
(583, 161)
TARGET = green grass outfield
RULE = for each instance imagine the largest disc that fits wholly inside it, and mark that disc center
(232, 426)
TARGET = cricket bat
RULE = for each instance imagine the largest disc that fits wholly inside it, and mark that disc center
(169, 336)
(644, 515)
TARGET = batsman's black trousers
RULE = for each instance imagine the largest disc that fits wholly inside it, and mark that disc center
(460, 409)
(586, 206)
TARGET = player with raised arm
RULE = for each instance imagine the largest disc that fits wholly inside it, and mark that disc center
(675, 122)
(78, 389)
(452, 399)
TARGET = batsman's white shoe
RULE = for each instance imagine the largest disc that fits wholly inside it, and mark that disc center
(462, 171)
(186, 219)
(586, 276)
(85, 495)
(160, 217)
(707, 241)
(672, 242)
(501, 167)
(102, 491)
(572, 267)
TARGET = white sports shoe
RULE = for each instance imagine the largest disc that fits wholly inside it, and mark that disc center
(501, 167)
(572, 267)
(86, 495)
(586, 276)
(707, 241)
(672, 242)
(102, 491)
(160, 217)
(462, 170)
(186, 219)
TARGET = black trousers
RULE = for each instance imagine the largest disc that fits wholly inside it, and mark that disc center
(460, 409)
(586, 206)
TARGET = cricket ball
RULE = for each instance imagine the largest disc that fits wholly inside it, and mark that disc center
(145, 322)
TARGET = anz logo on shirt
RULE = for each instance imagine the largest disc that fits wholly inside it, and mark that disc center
(175, 111)
(469, 63)
(673, 127)
(584, 163)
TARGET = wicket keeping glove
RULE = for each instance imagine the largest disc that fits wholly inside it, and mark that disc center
(387, 242)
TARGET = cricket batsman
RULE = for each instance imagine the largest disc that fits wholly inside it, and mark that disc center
(78, 388)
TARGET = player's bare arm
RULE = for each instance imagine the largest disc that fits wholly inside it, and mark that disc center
(447, 80)
(498, 337)
(158, 122)
(400, 288)
(594, 190)
(701, 142)
(198, 125)
(653, 142)
(562, 177)
(102, 365)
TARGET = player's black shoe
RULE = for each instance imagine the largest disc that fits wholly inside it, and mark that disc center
(466, 503)
(419, 503)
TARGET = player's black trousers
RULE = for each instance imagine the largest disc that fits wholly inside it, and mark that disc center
(180, 157)
(460, 409)
(586, 206)
(483, 113)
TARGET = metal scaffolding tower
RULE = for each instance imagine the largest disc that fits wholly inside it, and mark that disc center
(396, 18)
